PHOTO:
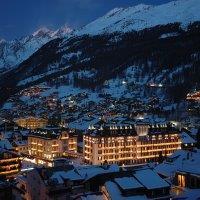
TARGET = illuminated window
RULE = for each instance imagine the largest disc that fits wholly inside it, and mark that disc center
(181, 180)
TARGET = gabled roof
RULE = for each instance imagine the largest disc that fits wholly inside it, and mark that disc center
(115, 193)
(150, 179)
(127, 183)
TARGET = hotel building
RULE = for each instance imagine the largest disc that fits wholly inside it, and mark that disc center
(10, 163)
(45, 145)
(31, 122)
(129, 144)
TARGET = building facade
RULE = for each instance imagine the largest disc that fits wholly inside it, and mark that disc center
(10, 163)
(31, 122)
(129, 144)
(45, 147)
(187, 179)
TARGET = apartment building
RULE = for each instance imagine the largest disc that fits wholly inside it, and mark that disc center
(129, 144)
(9, 163)
(48, 144)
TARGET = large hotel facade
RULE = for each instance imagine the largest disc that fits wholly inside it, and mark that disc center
(46, 146)
(129, 144)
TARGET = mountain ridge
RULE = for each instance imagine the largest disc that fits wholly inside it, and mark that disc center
(143, 16)
(162, 55)
(16, 51)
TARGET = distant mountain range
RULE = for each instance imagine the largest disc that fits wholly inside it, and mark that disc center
(14, 52)
(160, 43)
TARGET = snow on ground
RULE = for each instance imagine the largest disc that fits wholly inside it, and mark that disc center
(7, 106)
(68, 90)
(36, 77)
(86, 74)
(120, 87)
(81, 124)
(71, 55)
(116, 88)
(167, 35)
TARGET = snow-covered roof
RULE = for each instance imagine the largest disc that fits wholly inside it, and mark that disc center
(186, 139)
(150, 179)
(181, 160)
(7, 134)
(21, 143)
(128, 183)
(83, 172)
(61, 175)
(88, 172)
(116, 194)
(5, 144)
(91, 197)
(194, 131)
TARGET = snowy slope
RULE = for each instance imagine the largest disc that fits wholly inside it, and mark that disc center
(144, 16)
(117, 20)
(18, 50)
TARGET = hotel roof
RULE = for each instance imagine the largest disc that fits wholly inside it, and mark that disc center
(51, 132)
(112, 130)
(129, 130)
(163, 129)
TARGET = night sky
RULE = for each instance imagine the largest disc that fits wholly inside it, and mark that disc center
(22, 17)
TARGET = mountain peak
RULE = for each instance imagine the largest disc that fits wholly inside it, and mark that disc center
(15, 51)
(61, 32)
(114, 11)
(143, 16)
(65, 29)
(41, 31)
(2, 40)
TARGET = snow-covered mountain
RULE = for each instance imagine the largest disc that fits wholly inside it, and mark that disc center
(166, 53)
(120, 20)
(14, 52)
(144, 16)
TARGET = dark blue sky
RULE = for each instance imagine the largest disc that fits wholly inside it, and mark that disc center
(22, 17)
